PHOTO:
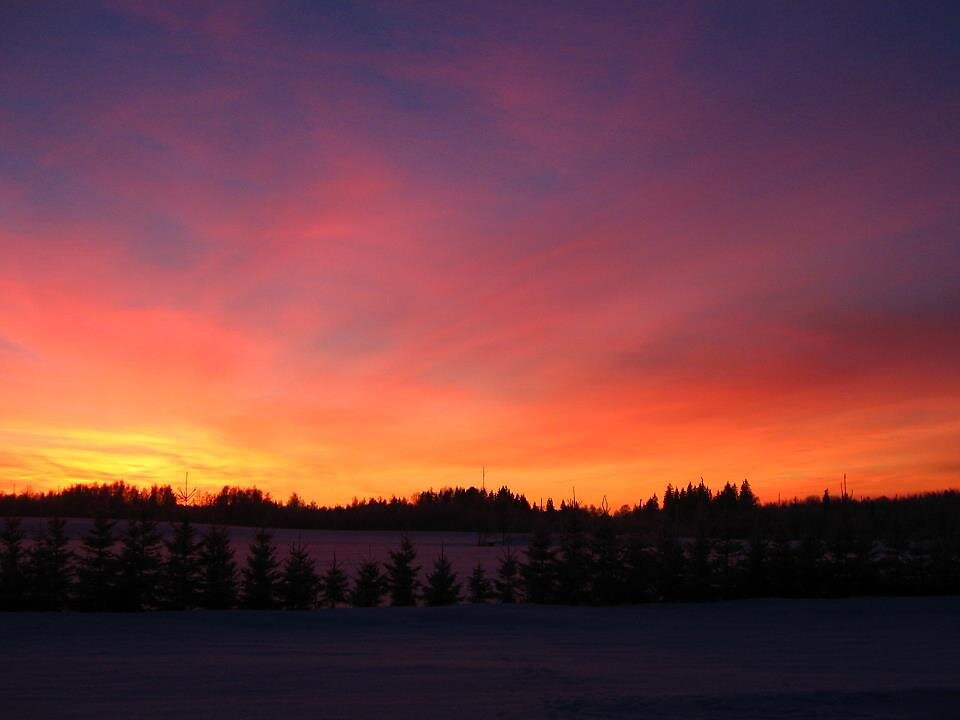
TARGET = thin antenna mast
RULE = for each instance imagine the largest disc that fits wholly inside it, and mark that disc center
(185, 496)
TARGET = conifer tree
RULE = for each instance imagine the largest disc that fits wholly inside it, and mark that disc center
(572, 568)
(98, 568)
(481, 589)
(334, 585)
(539, 572)
(369, 586)
(218, 571)
(640, 571)
(50, 568)
(13, 580)
(300, 584)
(699, 572)
(758, 580)
(607, 581)
(402, 574)
(140, 563)
(671, 565)
(508, 578)
(181, 571)
(808, 567)
(260, 576)
(442, 586)
(782, 568)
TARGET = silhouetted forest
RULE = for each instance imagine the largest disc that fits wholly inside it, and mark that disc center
(695, 546)
(683, 512)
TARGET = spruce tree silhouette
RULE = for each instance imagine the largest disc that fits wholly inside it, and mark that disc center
(640, 571)
(508, 580)
(607, 579)
(300, 584)
(140, 563)
(13, 560)
(539, 572)
(369, 586)
(671, 567)
(181, 571)
(442, 586)
(572, 564)
(260, 576)
(757, 582)
(98, 568)
(782, 570)
(218, 571)
(809, 564)
(699, 575)
(333, 587)
(943, 570)
(50, 568)
(727, 569)
(402, 574)
(481, 589)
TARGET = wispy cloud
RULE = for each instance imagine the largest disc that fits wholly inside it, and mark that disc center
(363, 249)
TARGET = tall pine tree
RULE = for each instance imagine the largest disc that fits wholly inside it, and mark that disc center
(140, 562)
(13, 580)
(481, 589)
(573, 564)
(260, 576)
(181, 571)
(333, 589)
(369, 586)
(218, 571)
(508, 578)
(540, 570)
(442, 586)
(300, 584)
(50, 568)
(608, 586)
(402, 574)
(98, 568)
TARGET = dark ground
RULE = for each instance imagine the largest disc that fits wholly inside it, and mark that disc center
(860, 658)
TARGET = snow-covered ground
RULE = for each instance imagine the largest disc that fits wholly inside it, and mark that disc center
(860, 658)
(350, 547)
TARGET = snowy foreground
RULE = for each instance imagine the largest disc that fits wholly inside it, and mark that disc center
(862, 658)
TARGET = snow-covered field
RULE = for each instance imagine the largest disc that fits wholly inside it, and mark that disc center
(860, 658)
(351, 547)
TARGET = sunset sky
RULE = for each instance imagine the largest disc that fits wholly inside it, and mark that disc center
(358, 249)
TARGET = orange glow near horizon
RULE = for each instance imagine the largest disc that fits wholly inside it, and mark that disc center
(359, 256)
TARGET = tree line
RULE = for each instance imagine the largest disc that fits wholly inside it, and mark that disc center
(589, 564)
(733, 511)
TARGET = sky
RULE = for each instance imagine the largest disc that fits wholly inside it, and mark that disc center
(364, 249)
